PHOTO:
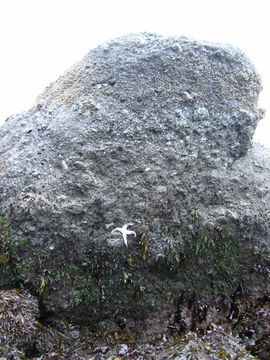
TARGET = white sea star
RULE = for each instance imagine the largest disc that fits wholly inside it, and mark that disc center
(124, 231)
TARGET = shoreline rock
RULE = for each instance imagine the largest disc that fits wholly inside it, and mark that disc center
(151, 131)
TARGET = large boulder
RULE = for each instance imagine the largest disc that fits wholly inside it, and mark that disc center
(146, 130)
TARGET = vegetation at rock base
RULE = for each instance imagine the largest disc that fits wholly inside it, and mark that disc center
(14, 265)
(216, 344)
(210, 261)
(18, 312)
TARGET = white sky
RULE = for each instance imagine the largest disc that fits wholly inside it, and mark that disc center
(40, 39)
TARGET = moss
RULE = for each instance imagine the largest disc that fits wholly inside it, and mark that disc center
(15, 266)
(208, 261)
(6, 238)
(212, 261)
(110, 282)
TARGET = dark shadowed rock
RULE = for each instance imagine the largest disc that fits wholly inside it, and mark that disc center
(146, 130)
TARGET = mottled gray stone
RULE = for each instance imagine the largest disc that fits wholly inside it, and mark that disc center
(144, 129)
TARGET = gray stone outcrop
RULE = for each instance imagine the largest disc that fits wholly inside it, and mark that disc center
(146, 130)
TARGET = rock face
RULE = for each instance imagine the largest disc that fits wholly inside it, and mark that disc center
(146, 130)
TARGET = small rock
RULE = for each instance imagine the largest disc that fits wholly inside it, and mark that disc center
(123, 350)
(75, 334)
(101, 349)
(161, 188)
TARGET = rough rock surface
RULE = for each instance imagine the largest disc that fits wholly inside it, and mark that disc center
(154, 131)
